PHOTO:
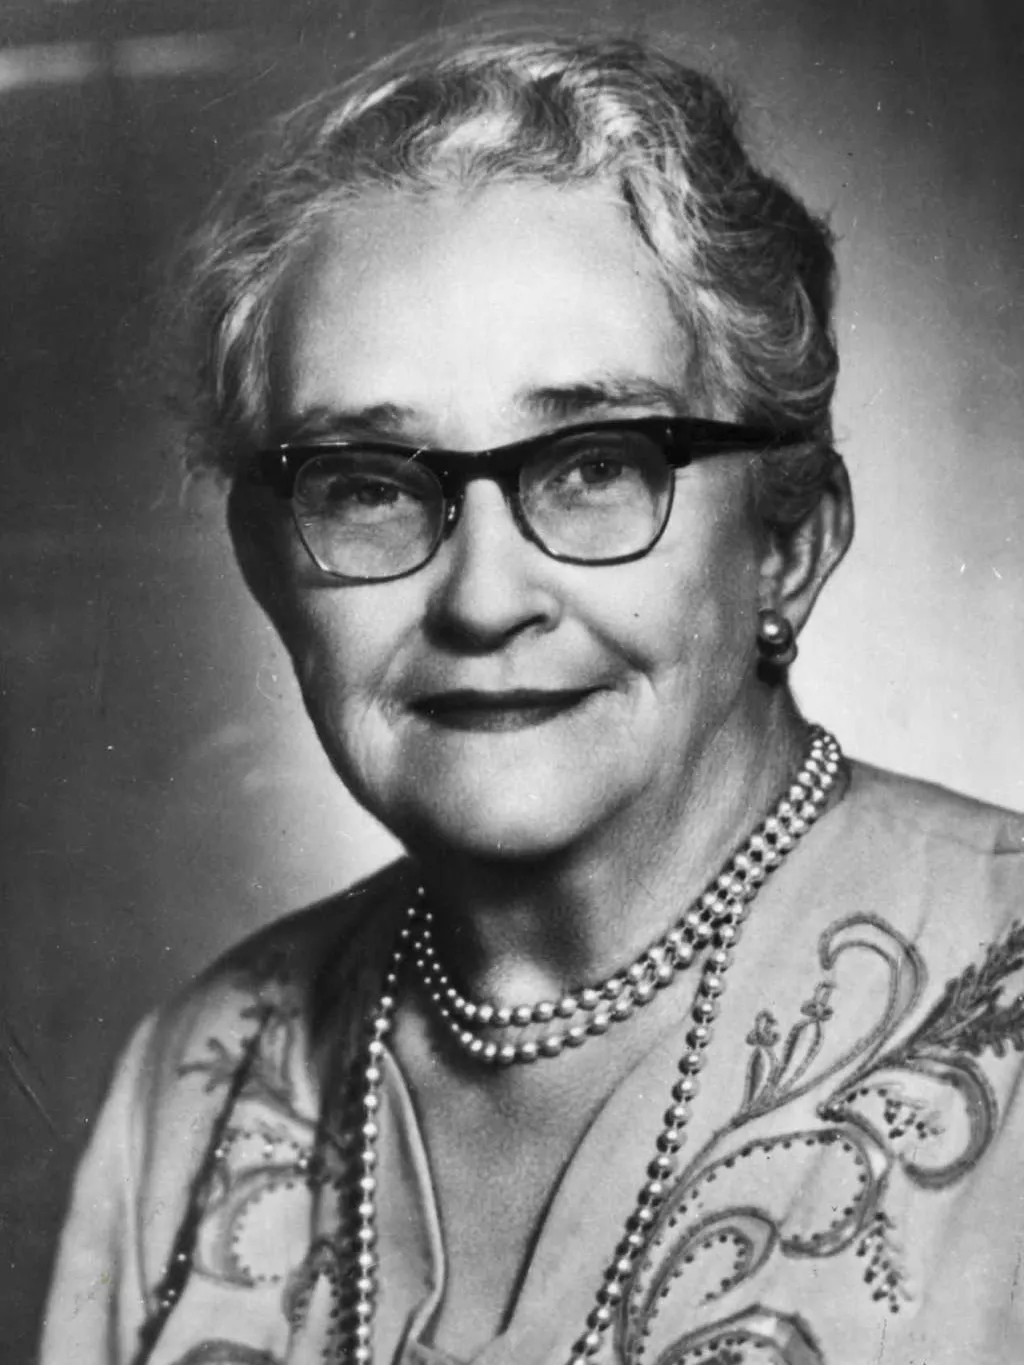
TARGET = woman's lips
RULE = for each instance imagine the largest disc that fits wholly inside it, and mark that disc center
(520, 709)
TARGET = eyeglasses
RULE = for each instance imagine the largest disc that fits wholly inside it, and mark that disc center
(370, 511)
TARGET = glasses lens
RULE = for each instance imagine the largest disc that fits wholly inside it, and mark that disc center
(364, 514)
(599, 495)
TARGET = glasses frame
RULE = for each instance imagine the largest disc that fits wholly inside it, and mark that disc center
(681, 440)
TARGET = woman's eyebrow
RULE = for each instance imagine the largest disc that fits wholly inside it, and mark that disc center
(323, 421)
(548, 402)
(566, 401)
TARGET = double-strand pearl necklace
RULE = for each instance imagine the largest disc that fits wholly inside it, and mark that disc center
(617, 997)
(713, 922)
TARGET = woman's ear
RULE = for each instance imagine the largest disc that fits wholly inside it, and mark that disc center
(799, 562)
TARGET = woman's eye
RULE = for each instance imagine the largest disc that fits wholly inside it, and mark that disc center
(347, 494)
(599, 471)
(369, 493)
(588, 475)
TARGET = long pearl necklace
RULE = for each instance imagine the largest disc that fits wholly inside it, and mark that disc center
(713, 922)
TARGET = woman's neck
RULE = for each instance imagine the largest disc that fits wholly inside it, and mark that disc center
(518, 931)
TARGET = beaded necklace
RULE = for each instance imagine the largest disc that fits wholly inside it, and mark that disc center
(713, 923)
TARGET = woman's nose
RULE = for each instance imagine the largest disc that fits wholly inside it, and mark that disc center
(493, 583)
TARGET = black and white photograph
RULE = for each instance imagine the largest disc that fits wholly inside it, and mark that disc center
(512, 682)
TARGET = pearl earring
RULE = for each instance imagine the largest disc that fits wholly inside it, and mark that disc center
(776, 640)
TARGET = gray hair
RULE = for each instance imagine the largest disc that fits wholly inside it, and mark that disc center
(749, 270)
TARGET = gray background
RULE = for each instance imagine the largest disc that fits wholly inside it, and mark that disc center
(161, 792)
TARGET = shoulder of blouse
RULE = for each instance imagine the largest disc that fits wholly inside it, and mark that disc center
(298, 967)
(932, 811)
(938, 865)
(247, 1030)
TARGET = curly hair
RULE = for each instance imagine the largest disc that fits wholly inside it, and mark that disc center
(749, 270)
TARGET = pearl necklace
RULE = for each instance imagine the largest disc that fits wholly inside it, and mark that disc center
(618, 996)
(714, 921)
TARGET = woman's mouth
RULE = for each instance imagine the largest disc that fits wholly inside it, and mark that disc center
(465, 709)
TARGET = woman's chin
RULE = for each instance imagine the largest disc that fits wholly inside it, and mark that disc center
(512, 798)
(502, 825)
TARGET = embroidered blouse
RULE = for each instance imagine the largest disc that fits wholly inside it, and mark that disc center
(852, 1189)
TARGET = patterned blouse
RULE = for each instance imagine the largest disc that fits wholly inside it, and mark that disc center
(853, 1184)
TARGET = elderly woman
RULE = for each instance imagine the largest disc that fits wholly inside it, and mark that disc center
(678, 1037)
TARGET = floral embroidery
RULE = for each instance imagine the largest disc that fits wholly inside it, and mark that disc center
(969, 1016)
(755, 1334)
(771, 1077)
(271, 1078)
(731, 1214)
(226, 1353)
(884, 1272)
(270, 1164)
(734, 1209)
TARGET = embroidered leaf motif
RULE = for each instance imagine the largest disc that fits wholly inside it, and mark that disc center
(884, 1273)
(219, 1066)
(904, 1115)
(970, 1016)
(269, 1072)
(885, 1104)
(759, 1069)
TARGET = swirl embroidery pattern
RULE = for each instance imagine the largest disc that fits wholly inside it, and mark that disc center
(272, 1164)
(733, 1210)
(731, 1213)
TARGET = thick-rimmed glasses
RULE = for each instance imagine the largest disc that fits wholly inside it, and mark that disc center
(369, 511)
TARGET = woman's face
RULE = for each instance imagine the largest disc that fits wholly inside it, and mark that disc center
(467, 323)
